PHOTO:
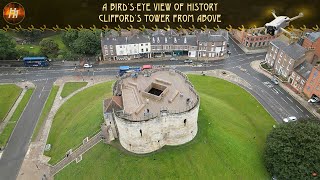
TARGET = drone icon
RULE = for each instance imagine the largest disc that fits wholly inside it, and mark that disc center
(279, 23)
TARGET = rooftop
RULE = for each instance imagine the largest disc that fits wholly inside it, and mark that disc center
(294, 50)
(304, 69)
(164, 90)
(314, 36)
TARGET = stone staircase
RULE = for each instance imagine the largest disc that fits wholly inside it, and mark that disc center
(77, 153)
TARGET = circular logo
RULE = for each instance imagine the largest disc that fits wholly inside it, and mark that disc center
(14, 13)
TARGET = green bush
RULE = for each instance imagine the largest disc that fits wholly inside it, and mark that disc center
(293, 150)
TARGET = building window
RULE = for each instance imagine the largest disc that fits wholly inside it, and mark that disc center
(147, 49)
(141, 44)
(141, 50)
(185, 122)
(140, 132)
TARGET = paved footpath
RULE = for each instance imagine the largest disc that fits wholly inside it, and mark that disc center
(14, 107)
(18, 143)
(76, 154)
(35, 164)
(256, 66)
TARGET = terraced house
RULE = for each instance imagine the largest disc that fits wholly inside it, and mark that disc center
(285, 57)
(161, 43)
(312, 41)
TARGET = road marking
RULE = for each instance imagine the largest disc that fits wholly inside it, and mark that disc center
(294, 109)
(259, 55)
(299, 108)
(256, 78)
(284, 100)
(289, 99)
(273, 89)
(308, 116)
(268, 84)
(279, 90)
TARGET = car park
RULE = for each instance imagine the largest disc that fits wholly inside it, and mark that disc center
(290, 119)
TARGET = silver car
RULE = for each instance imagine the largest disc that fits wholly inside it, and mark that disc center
(290, 119)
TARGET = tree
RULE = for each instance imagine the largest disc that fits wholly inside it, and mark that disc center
(7, 47)
(84, 42)
(49, 47)
(69, 37)
(87, 43)
(293, 150)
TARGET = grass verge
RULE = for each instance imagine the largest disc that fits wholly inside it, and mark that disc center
(4, 137)
(70, 87)
(45, 111)
(9, 93)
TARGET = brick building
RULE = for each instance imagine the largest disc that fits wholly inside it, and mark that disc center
(163, 43)
(312, 40)
(312, 86)
(300, 76)
(252, 38)
(284, 57)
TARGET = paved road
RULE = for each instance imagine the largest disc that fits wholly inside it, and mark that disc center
(277, 101)
(18, 144)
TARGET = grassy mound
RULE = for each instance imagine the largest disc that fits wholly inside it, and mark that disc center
(76, 119)
(229, 145)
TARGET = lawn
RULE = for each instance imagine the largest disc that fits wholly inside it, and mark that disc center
(33, 48)
(70, 87)
(45, 111)
(5, 135)
(229, 145)
(58, 39)
(76, 119)
(8, 96)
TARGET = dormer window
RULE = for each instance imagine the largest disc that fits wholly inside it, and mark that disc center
(165, 40)
(153, 41)
(175, 40)
(185, 40)
(158, 40)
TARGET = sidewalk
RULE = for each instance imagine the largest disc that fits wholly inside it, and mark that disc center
(163, 59)
(256, 66)
(35, 164)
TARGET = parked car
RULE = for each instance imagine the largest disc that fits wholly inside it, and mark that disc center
(87, 66)
(290, 119)
(275, 81)
(314, 100)
(188, 61)
(173, 59)
(228, 52)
